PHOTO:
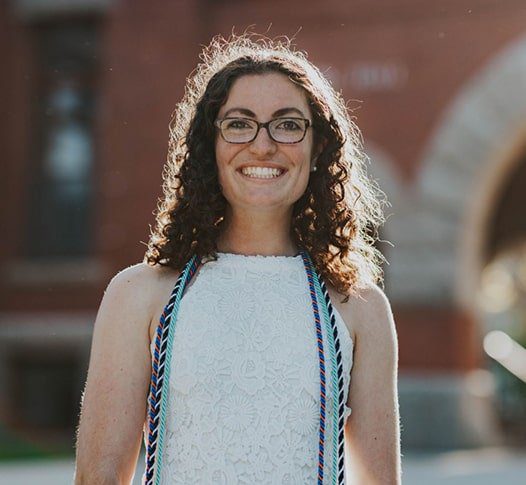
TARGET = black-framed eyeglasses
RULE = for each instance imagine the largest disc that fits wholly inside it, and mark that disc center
(281, 130)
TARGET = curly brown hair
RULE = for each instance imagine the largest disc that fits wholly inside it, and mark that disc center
(337, 218)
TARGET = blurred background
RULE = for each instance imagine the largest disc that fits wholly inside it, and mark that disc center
(438, 90)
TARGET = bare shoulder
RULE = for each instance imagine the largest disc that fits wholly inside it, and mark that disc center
(140, 273)
(146, 286)
(143, 278)
(134, 282)
(369, 303)
(368, 311)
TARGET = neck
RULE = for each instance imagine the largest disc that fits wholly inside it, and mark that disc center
(261, 233)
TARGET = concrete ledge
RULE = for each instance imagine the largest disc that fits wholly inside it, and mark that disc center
(448, 411)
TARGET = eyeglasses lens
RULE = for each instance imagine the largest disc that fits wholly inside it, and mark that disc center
(282, 130)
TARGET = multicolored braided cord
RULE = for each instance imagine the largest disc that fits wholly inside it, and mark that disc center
(339, 401)
(162, 357)
(311, 275)
(318, 286)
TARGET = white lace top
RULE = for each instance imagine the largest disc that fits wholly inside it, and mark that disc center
(244, 390)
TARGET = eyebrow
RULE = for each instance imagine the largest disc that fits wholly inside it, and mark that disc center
(279, 112)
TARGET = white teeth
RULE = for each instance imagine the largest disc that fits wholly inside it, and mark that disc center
(261, 172)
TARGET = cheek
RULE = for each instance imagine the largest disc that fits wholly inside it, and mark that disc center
(304, 157)
(221, 157)
(218, 152)
(303, 173)
(308, 147)
(224, 153)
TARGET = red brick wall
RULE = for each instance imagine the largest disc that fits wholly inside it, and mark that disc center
(150, 48)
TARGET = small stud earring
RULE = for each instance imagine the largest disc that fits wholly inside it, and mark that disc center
(313, 161)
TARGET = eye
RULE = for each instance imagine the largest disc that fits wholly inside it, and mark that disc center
(237, 124)
(289, 124)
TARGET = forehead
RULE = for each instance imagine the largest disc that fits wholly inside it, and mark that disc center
(265, 94)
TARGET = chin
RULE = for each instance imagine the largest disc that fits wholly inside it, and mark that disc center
(260, 203)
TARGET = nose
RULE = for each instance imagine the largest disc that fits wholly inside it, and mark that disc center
(263, 144)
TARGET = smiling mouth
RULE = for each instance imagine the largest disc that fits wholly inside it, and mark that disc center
(261, 172)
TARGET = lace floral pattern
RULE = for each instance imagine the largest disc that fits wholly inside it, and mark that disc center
(244, 387)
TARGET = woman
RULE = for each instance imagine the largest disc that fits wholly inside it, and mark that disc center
(265, 228)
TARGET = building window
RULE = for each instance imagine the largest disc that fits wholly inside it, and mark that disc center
(62, 169)
(44, 389)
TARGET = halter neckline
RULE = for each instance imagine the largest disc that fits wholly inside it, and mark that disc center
(256, 256)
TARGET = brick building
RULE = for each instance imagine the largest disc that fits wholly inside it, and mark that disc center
(88, 87)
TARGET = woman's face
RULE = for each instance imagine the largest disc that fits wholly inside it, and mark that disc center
(264, 97)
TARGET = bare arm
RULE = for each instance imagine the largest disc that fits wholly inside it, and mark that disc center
(373, 429)
(114, 400)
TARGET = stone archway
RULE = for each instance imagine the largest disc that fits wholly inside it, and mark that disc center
(473, 151)
(438, 255)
